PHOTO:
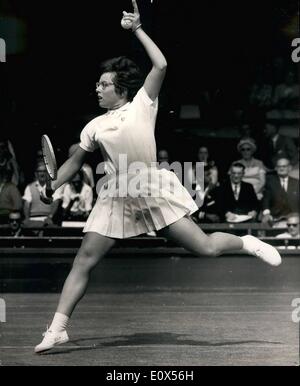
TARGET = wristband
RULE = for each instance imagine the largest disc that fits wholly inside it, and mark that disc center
(137, 27)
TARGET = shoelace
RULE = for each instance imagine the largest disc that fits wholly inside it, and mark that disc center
(258, 252)
(47, 330)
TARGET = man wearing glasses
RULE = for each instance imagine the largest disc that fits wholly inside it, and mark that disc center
(281, 195)
(293, 230)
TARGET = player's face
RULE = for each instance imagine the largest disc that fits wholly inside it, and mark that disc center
(106, 92)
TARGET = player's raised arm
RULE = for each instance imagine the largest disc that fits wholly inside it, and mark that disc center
(156, 76)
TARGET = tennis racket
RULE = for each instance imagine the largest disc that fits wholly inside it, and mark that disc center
(50, 163)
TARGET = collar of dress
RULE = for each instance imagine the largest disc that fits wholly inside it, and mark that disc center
(122, 108)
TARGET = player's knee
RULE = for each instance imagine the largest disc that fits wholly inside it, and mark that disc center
(86, 260)
(211, 249)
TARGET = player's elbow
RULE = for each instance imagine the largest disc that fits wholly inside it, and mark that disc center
(162, 65)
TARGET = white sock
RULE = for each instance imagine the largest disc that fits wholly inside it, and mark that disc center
(247, 245)
(59, 322)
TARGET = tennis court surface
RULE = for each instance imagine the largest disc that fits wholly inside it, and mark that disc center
(162, 310)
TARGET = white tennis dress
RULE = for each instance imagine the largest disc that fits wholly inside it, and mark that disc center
(136, 199)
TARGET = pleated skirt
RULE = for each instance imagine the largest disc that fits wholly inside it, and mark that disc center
(130, 205)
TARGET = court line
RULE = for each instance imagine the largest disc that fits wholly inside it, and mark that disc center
(162, 292)
(103, 306)
(279, 345)
(163, 311)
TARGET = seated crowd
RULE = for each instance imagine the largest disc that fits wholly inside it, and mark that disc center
(250, 192)
(261, 185)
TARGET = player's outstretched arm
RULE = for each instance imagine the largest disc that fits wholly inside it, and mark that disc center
(156, 76)
(69, 168)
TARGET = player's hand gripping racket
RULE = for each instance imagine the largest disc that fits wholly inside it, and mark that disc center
(51, 166)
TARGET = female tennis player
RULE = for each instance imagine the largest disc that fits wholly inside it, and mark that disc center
(127, 128)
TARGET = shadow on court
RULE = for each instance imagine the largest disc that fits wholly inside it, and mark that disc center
(146, 339)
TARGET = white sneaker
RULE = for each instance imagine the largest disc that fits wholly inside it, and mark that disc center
(51, 339)
(152, 233)
(262, 250)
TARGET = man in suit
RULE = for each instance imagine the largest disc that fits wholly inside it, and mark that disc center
(237, 197)
(208, 212)
(277, 146)
(281, 195)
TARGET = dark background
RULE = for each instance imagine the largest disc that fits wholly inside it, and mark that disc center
(48, 82)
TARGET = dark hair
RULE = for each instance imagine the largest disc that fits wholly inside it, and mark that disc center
(128, 75)
(238, 165)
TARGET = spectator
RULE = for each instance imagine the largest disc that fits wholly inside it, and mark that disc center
(39, 156)
(15, 223)
(88, 175)
(277, 145)
(295, 168)
(245, 130)
(203, 156)
(261, 92)
(255, 170)
(10, 197)
(286, 95)
(281, 195)
(237, 197)
(293, 230)
(34, 208)
(208, 212)
(77, 199)
(163, 156)
(8, 162)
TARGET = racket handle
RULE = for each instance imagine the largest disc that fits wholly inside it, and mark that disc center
(49, 191)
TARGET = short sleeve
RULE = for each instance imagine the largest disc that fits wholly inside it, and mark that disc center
(145, 99)
(87, 138)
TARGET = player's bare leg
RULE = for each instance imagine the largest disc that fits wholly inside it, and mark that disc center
(189, 235)
(93, 248)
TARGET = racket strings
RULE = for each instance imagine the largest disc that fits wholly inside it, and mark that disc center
(49, 157)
